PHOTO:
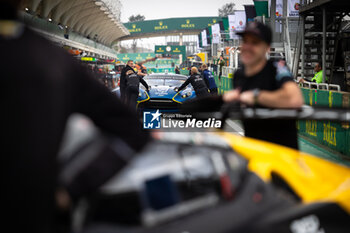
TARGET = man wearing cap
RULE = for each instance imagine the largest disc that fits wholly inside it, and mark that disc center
(264, 83)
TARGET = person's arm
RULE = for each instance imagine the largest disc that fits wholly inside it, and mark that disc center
(288, 96)
(141, 74)
(144, 83)
(231, 96)
(313, 79)
(184, 84)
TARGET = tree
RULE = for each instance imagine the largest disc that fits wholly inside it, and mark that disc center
(226, 9)
(135, 18)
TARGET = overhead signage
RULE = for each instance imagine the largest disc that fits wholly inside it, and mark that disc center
(171, 24)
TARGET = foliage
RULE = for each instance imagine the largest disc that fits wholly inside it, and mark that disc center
(226, 9)
(136, 18)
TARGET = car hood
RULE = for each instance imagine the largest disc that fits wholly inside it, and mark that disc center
(162, 92)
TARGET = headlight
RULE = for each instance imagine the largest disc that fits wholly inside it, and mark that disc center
(187, 94)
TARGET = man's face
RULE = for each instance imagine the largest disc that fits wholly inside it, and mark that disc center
(253, 50)
(317, 67)
(131, 64)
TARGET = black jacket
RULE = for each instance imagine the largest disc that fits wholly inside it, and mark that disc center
(196, 81)
(37, 97)
(134, 80)
(123, 80)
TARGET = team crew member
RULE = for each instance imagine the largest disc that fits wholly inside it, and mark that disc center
(37, 101)
(141, 69)
(122, 81)
(265, 83)
(132, 87)
(209, 80)
(197, 83)
(318, 78)
(221, 64)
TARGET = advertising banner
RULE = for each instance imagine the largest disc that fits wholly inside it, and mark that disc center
(279, 8)
(215, 30)
(293, 8)
(231, 22)
(170, 24)
(261, 8)
(204, 38)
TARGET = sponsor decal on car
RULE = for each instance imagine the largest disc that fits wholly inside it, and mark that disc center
(308, 224)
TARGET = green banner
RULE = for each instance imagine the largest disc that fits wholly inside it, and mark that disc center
(134, 56)
(171, 24)
(331, 134)
(261, 8)
(170, 49)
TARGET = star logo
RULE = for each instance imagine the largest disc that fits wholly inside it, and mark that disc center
(151, 119)
(155, 115)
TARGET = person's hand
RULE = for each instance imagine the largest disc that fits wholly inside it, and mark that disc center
(231, 96)
(247, 97)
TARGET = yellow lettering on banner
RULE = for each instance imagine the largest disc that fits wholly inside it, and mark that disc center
(329, 134)
(330, 99)
(135, 30)
(187, 25)
(160, 27)
(311, 127)
(310, 97)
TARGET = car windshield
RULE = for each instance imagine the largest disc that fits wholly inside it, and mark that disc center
(165, 81)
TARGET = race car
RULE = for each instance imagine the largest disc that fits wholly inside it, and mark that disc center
(162, 94)
(221, 182)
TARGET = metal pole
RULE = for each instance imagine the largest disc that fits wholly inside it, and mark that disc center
(273, 18)
(324, 44)
(181, 43)
(284, 16)
(302, 46)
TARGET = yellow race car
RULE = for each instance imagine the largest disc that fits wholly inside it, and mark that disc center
(220, 182)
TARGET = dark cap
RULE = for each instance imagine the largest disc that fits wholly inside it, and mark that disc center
(258, 29)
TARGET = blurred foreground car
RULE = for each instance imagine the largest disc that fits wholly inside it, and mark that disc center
(220, 182)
